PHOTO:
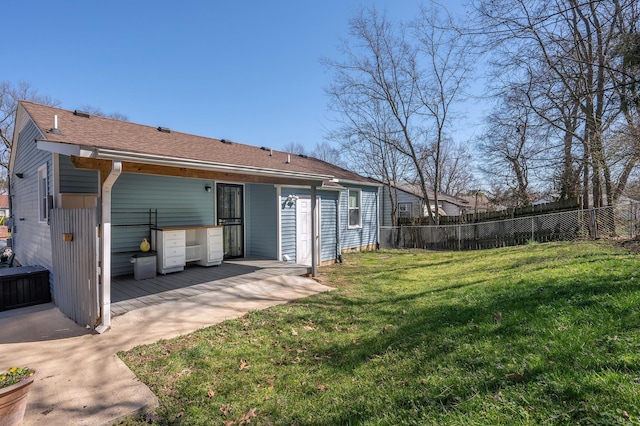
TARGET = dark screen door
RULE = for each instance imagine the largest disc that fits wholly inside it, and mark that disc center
(230, 216)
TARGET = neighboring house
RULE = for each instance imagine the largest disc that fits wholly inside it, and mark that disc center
(4, 216)
(4, 208)
(411, 204)
(262, 198)
(480, 203)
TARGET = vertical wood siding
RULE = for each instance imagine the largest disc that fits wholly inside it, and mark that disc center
(260, 221)
(74, 180)
(31, 239)
(179, 202)
(75, 264)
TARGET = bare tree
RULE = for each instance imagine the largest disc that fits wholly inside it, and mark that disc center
(295, 148)
(395, 88)
(328, 153)
(572, 44)
(444, 49)
(98, 111)
(511, 149)
(10, 94)
(367, 153)
(455, 176)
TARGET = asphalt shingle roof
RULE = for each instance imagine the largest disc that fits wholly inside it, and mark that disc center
(105, 133)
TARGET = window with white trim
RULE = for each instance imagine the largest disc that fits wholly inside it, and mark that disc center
(355, 212)
(43, 193)
(405, 209)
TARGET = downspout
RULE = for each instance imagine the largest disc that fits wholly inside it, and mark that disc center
(106, 247)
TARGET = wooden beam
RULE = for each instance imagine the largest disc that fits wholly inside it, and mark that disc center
(104, 166)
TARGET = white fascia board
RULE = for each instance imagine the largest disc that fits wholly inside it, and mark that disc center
(319, 188)
(22, 118)
(355, 182)
(64, 148)
(204, 165)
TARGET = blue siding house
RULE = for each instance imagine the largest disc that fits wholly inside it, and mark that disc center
(270, 204)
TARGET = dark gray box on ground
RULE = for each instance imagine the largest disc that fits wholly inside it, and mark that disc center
(144, 265)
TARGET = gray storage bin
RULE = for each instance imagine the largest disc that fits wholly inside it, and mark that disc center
(144, 265)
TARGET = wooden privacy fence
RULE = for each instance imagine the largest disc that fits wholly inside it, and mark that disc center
(74, 254)
(534, 210)
(608, 222)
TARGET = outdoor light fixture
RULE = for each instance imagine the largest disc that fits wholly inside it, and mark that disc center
(19, 175)
(291, 199)
(207, 188)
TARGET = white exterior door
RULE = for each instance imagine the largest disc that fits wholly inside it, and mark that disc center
(304, 237)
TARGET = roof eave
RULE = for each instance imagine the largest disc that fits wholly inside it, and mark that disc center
(356, 182)
(202, 165)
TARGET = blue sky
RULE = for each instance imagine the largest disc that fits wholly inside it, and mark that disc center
(247, 71)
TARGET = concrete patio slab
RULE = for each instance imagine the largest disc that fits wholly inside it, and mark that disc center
(81, 381)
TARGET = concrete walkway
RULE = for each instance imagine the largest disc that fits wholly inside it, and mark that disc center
(81, 381)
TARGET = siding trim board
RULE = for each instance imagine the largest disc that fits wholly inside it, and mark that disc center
(43, 193)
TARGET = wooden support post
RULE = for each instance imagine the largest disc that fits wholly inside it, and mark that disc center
(314, 232)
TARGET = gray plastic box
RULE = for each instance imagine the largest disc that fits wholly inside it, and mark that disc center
(144, 266)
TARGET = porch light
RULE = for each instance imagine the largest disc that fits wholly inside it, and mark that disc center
(207, 188)
(291, 199)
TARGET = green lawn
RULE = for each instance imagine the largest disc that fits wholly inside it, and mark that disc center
(536, 334)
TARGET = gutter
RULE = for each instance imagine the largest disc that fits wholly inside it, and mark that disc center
(115, 155)
(356, 182)
(105, 270)
(203, 165)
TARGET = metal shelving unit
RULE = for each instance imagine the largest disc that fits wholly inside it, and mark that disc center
(150, 224)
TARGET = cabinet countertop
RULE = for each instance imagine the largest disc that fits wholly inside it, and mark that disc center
(180, 228)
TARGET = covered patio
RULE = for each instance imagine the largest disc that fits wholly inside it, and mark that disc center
(128, 294)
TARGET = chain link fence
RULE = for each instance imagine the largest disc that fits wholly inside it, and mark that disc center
(621, 222)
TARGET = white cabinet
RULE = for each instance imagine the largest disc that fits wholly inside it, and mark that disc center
(178, 246)
(209, 241)
(170, 245)
(192, 245)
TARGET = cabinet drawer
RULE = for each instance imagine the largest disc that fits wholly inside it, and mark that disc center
(174, 251)
(169, 262)
(215, 256)
(214, 231)
(174, 235)
(173, 243)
